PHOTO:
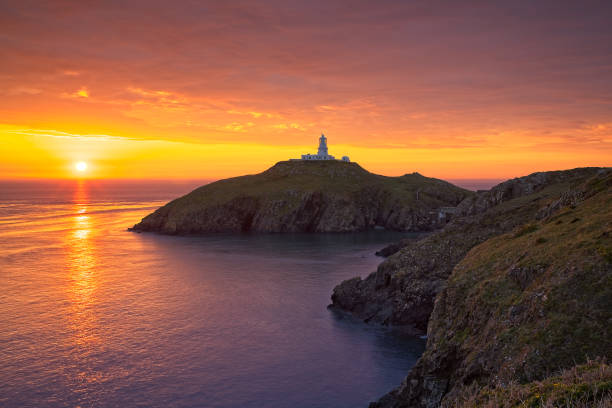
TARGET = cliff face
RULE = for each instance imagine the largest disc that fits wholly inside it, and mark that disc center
(521, 306)
(307, 196)
(403, 289)
(523, 186)
(515, 288)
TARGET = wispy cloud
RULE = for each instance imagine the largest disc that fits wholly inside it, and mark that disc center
(81, 93)
(254, 114)
(238, 127)
(24, 90)
(65, 135)
(296, 126)
(147, 93)
(392, 74)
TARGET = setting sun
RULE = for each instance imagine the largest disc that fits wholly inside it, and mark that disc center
(80, 166)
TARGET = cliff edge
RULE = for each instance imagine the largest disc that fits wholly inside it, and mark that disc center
(308, 196)
(512, 292)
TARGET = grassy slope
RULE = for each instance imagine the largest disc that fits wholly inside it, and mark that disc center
(313, 176)
(287, 181)
(582, 386)
(533, 301)
(464, 233)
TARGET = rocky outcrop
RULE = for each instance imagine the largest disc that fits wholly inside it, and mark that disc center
(519, 307)
(520, 187)
(395, 247)
(403, 288)
(308, 196)
(505, 267)
(515, 293)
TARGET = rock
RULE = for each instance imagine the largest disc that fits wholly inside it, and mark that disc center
(402, 290)
(510, 312)
(522, 186)
(394, 247)
(308, 196)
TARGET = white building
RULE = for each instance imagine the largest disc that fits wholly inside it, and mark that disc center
(322, 153)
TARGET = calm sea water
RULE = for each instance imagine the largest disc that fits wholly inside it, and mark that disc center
(94, 316)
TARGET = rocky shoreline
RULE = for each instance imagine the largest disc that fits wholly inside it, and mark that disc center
(510, 285)
(485, 288)
(309, 196)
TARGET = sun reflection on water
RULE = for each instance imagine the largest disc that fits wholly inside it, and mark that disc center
(82, 271)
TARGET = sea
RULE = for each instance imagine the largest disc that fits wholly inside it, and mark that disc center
(92, 315)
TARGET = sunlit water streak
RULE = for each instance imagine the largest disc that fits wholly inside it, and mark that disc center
(93, 315)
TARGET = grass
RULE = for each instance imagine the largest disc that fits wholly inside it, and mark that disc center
(526, 229)
(582, 386)
(531, 302)
(286, 184)
(339, 177)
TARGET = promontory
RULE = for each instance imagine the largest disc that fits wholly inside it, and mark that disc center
(309, 196)
(514, 294)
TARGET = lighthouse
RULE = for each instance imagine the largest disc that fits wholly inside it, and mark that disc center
(323, 146)
(322, 153)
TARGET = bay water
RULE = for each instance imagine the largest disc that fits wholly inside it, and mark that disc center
(92, 315)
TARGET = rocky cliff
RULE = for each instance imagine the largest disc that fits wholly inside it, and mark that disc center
(515, 289)
(308, 196)
(403, 288)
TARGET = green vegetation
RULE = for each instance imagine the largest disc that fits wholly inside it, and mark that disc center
(523, 289)
(565, 282)
(294, 196)
(403, 289)
(528, 303)
(582, 386)
(324, 176)
(526, 229)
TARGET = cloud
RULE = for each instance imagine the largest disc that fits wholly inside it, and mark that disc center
(396, 73)
(81, 93)
(150, 94)
(285, 126)
(24, 90)
(254, 114)
(238, 127)
(65, 135)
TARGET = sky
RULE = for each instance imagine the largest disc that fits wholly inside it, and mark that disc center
(213, 89)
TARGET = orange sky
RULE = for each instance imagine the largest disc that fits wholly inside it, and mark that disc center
(200, 90)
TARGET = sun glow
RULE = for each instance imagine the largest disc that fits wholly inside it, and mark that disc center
(81, 166)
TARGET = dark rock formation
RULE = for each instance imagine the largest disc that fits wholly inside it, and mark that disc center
(308, 196)
(517, 311)
(520, 187)
(516, 291)
(403, 289)
(394, 247)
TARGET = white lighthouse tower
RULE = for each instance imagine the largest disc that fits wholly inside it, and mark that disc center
(323, 147)
(322, 153)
